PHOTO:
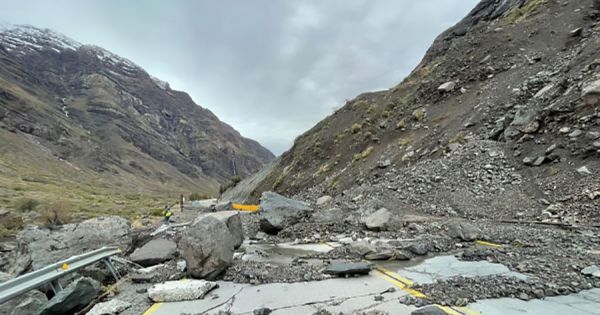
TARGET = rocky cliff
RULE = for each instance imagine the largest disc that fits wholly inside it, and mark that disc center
(499, 120)
(80, 114)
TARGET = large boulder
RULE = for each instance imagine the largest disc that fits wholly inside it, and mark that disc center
(73, 298)
(463, 231)
(591, 93)
(48, 246)
(378, 220)
(278, 212)
(154, 252)
(232, 220)
(207, 247)
(30, 303)
(175, 291)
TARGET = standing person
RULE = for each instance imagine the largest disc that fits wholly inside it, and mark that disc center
(181, 202)
(167, 214)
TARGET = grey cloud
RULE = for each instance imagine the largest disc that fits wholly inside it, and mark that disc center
(271, 69)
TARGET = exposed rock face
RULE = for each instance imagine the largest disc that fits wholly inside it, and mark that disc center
(175, 291)
(154, 252)
(72, 97)
(15, 258)
(74, 297)
(278, 212)
(46, 246)
(207, 247)
(233, 222)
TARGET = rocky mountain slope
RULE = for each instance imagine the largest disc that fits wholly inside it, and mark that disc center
(500, 120)
(79, 117)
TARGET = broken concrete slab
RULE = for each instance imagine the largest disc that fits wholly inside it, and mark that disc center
(348, 268)
(183, 290)
(112, 307)
(154, 252)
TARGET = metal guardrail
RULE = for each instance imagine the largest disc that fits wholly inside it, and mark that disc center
(53, 272)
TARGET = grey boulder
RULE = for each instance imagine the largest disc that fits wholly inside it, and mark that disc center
(233, 222)
(207, 247)
(278, 212)
(348, 268)
(378, 220)
(73, 298)
(154, 252)
(463, 231)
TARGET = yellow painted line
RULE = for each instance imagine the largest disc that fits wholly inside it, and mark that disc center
(153, 309)
(448, 310)
(395, 276)
(399, 284)
(241, 207)
(467, 311)
(488, 244)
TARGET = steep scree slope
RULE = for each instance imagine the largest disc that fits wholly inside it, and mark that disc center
(492, 124)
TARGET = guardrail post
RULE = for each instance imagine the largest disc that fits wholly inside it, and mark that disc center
(56, 287)
(112, 269)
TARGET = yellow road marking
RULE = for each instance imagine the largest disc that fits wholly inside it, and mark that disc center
(153, 309)
(405, 285)
(488, 244)
(241, 207)
(399, 284)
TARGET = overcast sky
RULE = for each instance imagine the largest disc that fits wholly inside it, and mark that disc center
(271, 69)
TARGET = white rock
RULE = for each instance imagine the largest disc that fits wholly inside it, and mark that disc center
(447, 87)
(584, 171)
(183, 290)
(111, 307)
(591, 93)
(181, 265)
(323, 200)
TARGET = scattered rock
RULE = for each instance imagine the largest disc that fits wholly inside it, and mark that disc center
(584, 171)
(278, 212)
(378, 220)
(540, 160)
(207, 247)
(112, 307)
(421, 247)
(224, 206)
(447, 87)
(323, 200)
(551, 149)
(262, 311)
(73, 298)
(463, 231)
(428, 310)
(591, 93)
(154, 252)
(384, 163)
(575, 133)
(345, 268)
(30, 303)
(185, 290)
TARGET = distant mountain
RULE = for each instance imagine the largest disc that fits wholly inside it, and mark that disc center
(81, 116)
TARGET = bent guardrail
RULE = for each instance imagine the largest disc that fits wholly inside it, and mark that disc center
(53, 272)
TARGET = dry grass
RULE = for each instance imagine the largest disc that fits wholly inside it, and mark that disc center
(56, 213)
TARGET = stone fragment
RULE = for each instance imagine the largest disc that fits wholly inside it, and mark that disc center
(378, 220)
(584, 170)
(346, 268)
(447, 87)
(463, 231)
(323, 200)
(154, 252)
(591, 93)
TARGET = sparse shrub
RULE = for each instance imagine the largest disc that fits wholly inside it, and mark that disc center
(198, 196)
(355, 128)
(364, 154)
(323, 169)
(158, 212)
(56, 213)
(401, 124)
(26, 204)
(232, 183)
(373, 108)
(359, 104)
(419, 114)
(459, 138)
(386, 114)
